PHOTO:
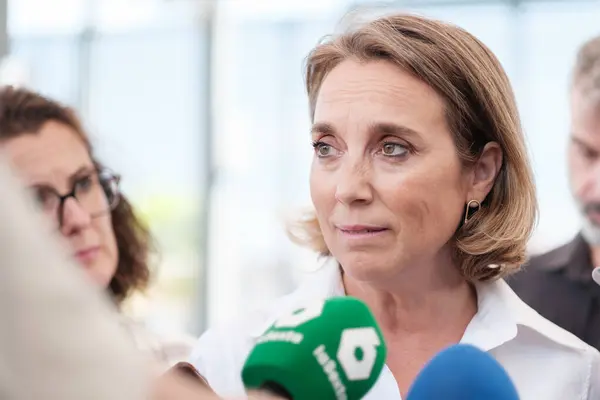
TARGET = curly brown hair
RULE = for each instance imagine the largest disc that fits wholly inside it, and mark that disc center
(24, 112)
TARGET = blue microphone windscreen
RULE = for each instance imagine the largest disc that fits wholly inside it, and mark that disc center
(463, 372)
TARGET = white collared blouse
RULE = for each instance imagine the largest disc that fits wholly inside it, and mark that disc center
(543, 360)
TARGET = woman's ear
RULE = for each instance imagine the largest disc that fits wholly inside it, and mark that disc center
(485, 171)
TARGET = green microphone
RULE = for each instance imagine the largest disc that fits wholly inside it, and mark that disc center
(331, 349)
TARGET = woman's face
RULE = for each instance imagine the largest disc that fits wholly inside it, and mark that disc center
(387, 184)
(56, 159)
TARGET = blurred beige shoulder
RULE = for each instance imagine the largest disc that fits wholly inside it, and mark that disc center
(167, 350)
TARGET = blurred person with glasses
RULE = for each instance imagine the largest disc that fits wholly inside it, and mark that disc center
(95, 190)
(47, 305)
(48, 148)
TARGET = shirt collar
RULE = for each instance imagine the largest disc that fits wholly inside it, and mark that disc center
(494, 324)
(500, 317)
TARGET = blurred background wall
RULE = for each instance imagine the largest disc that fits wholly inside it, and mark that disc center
(200, 106)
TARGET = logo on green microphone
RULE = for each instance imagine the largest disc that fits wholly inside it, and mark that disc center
(330, 369)
(358, 352)
(356, 355)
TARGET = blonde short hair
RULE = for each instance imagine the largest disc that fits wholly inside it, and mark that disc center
(480, 108)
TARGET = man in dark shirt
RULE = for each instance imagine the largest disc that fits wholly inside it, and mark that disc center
(559, 284)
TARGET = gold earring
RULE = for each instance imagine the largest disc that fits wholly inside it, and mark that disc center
(471, 204)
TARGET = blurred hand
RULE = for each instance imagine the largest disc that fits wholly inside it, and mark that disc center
(176, 385)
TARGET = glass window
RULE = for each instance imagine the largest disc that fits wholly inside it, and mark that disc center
(50, 64)
(46, 17)
(146, 103)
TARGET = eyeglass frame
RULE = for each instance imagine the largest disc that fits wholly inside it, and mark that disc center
(62, 198)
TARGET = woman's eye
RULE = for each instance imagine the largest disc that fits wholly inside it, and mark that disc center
(84, 183)
(44, 198)
(393, 150)
(323, 149)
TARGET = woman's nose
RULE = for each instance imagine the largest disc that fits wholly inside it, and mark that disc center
(353, 185)
(73, 217)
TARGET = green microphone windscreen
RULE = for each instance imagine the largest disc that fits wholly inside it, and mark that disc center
(332, 349)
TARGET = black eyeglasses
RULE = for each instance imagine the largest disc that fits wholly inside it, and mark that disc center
(96, 192)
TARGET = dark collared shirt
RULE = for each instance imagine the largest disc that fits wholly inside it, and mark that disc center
(559, 286)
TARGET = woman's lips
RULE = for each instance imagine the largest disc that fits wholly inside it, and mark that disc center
(88, 255)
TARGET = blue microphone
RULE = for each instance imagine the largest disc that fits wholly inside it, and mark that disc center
(463, 372)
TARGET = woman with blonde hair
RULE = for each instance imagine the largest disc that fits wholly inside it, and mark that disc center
(424, 200)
